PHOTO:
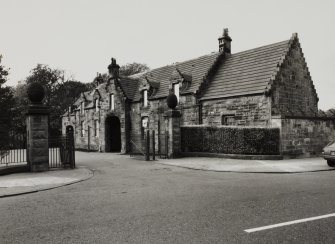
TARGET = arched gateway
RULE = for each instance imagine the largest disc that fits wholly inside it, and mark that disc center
(113, 134)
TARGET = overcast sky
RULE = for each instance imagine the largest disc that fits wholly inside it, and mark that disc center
(81, 36)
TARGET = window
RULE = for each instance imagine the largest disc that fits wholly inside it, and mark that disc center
(176, 90)
(82, 128)
(82, 107)
(144, 125)
(111, 102)
(96, 128)
(228, 119)
(97, 104)
(145, 98)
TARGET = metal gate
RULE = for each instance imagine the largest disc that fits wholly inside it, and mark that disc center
(62, 152)
(139, 144)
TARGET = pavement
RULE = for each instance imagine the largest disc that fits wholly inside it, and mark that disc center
(250, 166)
(23, 183)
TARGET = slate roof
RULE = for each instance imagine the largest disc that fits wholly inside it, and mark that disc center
(129, 86)
(196, 68)
(216, 75)
(248, 72)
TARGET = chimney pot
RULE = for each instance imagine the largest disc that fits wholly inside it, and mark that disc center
(225, 42)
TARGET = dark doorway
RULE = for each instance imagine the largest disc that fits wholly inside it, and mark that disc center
(69, 130)
(113, 134)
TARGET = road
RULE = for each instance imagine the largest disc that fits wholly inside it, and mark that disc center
(132, 201)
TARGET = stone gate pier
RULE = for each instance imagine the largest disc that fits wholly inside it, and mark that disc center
(37, 120)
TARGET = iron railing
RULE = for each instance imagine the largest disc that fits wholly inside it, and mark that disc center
(13, 149)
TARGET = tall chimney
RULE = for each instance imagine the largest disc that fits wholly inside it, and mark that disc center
(113, 69)
(225, 42)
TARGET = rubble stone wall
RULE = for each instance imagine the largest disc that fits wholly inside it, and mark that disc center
(247, 110)
(306, 137)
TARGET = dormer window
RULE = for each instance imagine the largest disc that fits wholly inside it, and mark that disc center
(111, 102)
(176, 90)
(145, 98)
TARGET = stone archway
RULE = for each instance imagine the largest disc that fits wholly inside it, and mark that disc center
(112, 134)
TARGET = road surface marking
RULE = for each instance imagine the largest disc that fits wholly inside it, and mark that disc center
(289, 223)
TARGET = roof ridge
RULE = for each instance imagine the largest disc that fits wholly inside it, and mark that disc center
(174, 64)
(267, 45)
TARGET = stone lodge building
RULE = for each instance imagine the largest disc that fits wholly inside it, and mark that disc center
(268, 86)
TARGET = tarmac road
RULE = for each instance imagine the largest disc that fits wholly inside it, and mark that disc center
(131, 201)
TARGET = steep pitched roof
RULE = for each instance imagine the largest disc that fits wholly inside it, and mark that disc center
(129, 86)
(247, 72)
(196, 68)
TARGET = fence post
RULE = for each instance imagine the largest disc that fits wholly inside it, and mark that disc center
(147, 151)
(153, 145)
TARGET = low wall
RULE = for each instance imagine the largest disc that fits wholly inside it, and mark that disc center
(230, 140)
(305, 137)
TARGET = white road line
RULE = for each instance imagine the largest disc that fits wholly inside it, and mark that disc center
(289, 223)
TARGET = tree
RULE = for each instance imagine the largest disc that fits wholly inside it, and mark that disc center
(48, 77)
(66, 94)
(125, 70)
(133, 68)
(19, 109)
(6, 103)
(59, 95)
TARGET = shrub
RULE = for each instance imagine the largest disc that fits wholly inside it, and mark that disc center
(230, 140)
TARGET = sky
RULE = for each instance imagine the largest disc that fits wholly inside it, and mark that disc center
(81, 36)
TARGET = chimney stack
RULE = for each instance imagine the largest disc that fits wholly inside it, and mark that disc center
(225, 42)
(113, 69)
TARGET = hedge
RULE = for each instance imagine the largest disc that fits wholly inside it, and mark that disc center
(230, 140)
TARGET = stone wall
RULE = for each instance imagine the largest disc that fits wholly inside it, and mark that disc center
(305, 137)
(247, 110)
(89, 141)
(293, 92)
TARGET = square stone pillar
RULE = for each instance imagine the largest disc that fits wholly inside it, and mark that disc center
(37, 120)
(172, 122)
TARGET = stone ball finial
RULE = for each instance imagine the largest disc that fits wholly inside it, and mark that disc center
(35, 92)
(172, 101)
